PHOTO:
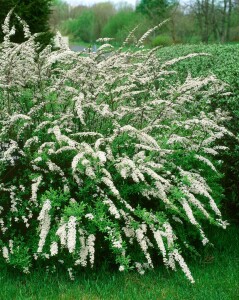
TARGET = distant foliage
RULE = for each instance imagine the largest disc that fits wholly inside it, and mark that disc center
(119, 26)
(81, 28)
(162, 40)
(101, 161)
(87, 23)
(153, 8)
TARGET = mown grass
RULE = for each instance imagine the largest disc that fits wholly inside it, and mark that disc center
(216, 274)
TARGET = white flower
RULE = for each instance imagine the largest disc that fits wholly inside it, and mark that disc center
(117, 244)
(11, 246)
(54, 248)
(139, 268)
(111, 185)
(71, 234)
(91, 246)
(26, 270)
(45, 221)
(5, 253)
(140, 236)
(61, 232)
(112, 208)
(70, 272)
(35, 186)
(183, 265)
(89, 216)
(102, 156)
(160, 243)
(121, 268)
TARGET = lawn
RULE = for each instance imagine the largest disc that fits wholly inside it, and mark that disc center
(216, 274)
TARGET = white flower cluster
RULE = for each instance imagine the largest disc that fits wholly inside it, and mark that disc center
(45, 221)
(36, 183)
(5, 253)
(71, 234)
(178, 257)
(54, 248)
(160, 243)
(62, 233)
(87, 248)
(127, 168)
(142, 240)
(112, 208)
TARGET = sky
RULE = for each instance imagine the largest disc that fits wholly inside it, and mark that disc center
(90, 2)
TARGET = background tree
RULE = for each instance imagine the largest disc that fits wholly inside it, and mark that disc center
(60, 12)
(80, 29)
(102, 13)
(124, 21)
(205, 14)
(214, 19)
(191, 22)
(158, 11)
(155, 9)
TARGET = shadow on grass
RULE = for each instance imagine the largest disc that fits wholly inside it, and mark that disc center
(216, 275)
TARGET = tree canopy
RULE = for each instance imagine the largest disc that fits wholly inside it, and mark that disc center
(153, 8)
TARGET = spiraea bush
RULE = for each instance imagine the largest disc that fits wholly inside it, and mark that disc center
(224, 63)
(101, 161)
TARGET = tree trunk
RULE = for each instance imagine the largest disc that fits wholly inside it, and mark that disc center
(229, 20)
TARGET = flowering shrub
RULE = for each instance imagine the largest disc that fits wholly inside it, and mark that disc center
(223, 62)
(102, 155)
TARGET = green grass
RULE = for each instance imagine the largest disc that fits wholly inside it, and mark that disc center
(216, 274)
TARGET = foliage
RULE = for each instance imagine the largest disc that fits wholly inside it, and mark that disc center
(87, 26)
(88, 23)
(99, 159)
(162, 40)
(103, 20)
(81, 28)
(153, 8)
(102, 13)
(60, 12)
(119, 26)
(224, 63)
(201, 21)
